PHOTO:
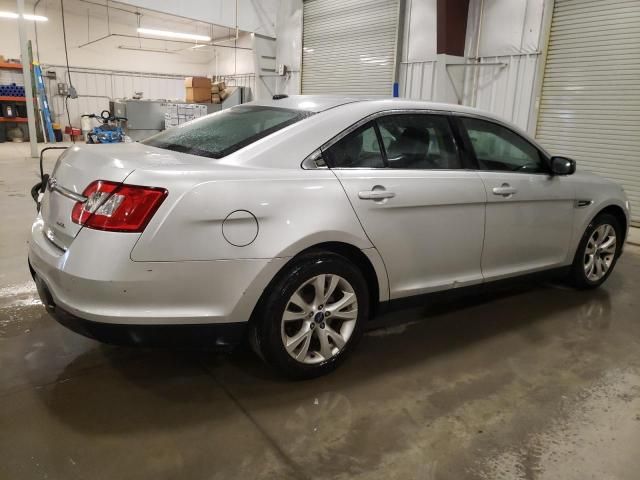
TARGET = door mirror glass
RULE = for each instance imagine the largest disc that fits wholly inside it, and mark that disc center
(562, 166)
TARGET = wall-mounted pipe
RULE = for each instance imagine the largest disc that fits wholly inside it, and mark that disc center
(124, 35)
(122, 73)
(459, 95)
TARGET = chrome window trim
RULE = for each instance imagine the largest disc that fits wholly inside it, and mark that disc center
(307, 163)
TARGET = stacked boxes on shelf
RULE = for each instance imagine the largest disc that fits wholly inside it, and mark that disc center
(198, 89)
(179, 113)
(220, 91)
(216, 88)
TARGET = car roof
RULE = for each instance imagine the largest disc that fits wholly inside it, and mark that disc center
(320, 103)
(310, 103)
(371, 105)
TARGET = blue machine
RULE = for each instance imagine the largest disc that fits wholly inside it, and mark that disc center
(110, 129)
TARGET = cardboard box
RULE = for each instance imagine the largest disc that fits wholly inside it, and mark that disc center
(198, 89)
(215, 88)
(197, 82)
(198, 94)
(223, 95)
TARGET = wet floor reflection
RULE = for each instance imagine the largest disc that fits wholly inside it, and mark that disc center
(429, 392)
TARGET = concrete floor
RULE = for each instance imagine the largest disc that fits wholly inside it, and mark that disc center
(539, 382)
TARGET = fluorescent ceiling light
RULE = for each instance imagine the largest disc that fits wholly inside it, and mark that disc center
(35, 18)
(165, 33)
(199, 46)
(26, 16)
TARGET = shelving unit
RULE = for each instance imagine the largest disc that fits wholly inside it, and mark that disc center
(12, 66)
(13, 120)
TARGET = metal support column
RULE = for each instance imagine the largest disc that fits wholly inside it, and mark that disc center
(26, 73)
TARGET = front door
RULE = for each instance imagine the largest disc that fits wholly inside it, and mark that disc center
(419, 207)
(529, 212)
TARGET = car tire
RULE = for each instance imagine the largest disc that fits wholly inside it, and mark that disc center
(592, 263)
(311, 316)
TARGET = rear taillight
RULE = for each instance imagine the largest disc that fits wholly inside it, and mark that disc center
(117, 207)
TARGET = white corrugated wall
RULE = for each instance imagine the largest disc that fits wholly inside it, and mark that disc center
(506, 33)
(417, 80)
(503, 86)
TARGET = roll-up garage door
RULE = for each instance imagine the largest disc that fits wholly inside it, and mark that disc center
(349, 46)
(590, 105)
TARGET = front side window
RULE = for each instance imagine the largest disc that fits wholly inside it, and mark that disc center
(418, 141)
(498, 148)
(218, 135)
(358, 149)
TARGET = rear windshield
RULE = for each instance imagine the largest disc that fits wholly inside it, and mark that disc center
(225, 132)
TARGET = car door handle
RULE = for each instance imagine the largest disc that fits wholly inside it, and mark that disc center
(375, 195)
(505, 190)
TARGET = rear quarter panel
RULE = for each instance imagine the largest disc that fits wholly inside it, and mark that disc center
(294, 209)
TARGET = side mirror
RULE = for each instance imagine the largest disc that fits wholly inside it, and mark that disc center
(562, 166)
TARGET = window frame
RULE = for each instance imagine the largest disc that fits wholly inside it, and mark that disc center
(464, 135)
(464, 158)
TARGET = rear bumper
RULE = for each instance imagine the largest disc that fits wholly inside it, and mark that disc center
(95, 280)
(193, 335)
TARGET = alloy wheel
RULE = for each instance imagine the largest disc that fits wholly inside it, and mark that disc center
(600, 252)
(319, 319)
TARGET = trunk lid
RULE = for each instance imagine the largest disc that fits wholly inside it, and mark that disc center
(82, 164)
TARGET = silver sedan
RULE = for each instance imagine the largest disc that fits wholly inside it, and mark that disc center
(291, 220)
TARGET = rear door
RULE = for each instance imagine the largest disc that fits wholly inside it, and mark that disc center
(529, 215)
(420, 208)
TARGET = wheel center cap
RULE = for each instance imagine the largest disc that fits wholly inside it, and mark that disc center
(319, 317)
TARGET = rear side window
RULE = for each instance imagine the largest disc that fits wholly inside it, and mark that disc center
(222, 133)
(407, 141)
(359, 149)
(421, 141)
